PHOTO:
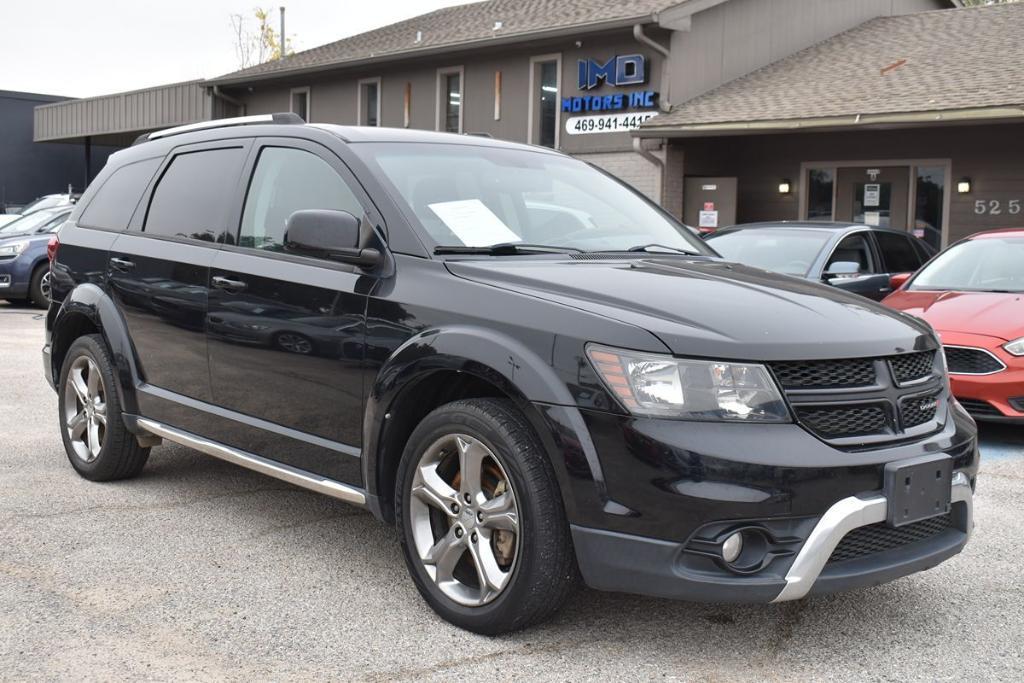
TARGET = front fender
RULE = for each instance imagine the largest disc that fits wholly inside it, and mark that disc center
(496, 358)
(90, 301)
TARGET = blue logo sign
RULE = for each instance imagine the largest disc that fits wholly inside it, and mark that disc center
(618, 71)
(638, 99)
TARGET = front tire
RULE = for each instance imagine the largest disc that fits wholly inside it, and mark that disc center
(480, 518)
(98, 445)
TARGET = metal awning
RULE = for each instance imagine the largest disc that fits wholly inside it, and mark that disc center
(119, 118)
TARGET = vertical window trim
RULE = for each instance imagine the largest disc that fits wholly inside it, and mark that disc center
(309, 101)
(532, 113)
(440, 92)
(359, 99)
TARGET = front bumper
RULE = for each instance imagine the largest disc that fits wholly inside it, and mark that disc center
(644, 497)
(623, 563)
(997, 396)
(13, 280)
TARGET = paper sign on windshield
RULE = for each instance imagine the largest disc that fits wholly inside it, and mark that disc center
(473, 223)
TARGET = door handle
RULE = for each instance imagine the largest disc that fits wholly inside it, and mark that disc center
(121, 264)
(227, 284)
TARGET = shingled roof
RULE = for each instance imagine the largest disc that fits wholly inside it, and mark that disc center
(474, 24)
(935, 66)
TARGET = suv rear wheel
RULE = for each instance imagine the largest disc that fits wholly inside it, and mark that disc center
(98, 444)
(480, 518)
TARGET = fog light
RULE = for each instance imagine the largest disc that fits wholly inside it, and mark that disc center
(732, 547)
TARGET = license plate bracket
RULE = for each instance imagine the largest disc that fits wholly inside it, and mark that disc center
(918, 488)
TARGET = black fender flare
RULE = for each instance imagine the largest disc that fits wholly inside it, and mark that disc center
(486, 354)
(90, 301)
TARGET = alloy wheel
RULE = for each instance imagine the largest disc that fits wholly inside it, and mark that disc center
(44, 286)
(464, 520)
(85, 409)
(295, 343)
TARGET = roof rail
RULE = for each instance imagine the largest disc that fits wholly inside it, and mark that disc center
(284, 118)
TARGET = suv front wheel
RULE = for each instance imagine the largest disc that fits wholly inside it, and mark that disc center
(480, 518)
(98, 444)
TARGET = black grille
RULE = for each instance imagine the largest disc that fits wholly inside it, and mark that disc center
(825, 374)
(919, 410)
(877, 538)
(911, 367)
(972, 361)
(980, 408)
(843, 421)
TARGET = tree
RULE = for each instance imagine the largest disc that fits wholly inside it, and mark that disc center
(260, 43)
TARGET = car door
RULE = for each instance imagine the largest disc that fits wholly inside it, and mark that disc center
(898, 251)
(286, 332)
(869, 281)
(159, 270)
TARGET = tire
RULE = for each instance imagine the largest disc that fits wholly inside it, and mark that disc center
(112, 452)
(36, 293)
(531, 570)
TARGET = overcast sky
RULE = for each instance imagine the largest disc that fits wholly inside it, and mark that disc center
(80, 49)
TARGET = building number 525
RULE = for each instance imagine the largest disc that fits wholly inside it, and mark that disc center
(994, 207)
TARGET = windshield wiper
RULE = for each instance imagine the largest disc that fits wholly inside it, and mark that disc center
(507, 249)
(653, 248)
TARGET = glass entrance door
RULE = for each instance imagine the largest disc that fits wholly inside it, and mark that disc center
(873, 196)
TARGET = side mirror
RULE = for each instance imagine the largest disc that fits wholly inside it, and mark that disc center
(327, 234)
(842, 269)
(898, 280)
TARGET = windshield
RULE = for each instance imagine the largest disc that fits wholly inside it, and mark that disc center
(989, 264)
(476, 196)
(46, 202)
(29, 223)
(784, 250)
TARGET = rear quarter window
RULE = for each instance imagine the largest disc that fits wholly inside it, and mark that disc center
(114, 203)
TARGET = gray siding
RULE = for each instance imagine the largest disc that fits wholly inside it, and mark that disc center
(992, 156)
(734, 38)
(129, 112)
(333, 95)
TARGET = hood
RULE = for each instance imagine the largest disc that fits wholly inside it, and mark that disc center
(986, 313)
(707, 308)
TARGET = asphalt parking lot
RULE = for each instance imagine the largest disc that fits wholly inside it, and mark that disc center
(202, 570)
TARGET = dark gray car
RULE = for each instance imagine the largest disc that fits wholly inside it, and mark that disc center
(854, 257)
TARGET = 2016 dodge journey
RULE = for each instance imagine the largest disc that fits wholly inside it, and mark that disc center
(536, 374)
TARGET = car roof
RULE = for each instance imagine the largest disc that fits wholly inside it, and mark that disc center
(999, 232)
(821, 225)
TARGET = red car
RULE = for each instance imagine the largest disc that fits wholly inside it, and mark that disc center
(973, 295)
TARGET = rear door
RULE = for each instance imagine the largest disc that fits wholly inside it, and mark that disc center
(287, 332)
(159, 270)
(899, 254)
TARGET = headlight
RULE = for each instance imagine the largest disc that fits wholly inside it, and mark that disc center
(1016, 347)
(13, 249)
(661, 386)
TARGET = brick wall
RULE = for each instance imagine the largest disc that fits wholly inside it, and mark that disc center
(631, 168)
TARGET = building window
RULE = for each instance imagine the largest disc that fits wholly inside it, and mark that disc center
(369, 102)
(449, 90)
(820, 186)
(930, 191)
(545, 87)
(300, 102)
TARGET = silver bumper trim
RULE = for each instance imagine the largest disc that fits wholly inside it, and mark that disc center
(292, 475)
(841, 519)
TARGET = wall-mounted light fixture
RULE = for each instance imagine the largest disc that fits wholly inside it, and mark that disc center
(963, 186)
(784, 186)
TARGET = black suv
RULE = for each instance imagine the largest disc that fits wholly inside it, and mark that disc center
(531, 370)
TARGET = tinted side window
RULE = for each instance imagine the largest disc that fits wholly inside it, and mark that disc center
(285, 181)
(192, 195)
(898, 252)
(115, 202)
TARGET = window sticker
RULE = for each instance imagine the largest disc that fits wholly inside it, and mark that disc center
(473, 223)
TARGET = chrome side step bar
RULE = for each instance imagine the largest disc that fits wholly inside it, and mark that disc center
(292, 475)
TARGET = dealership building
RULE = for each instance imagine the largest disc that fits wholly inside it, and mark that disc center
(906, 113)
